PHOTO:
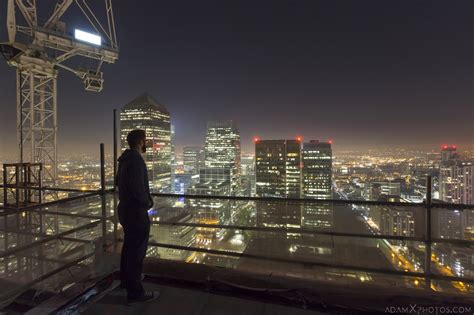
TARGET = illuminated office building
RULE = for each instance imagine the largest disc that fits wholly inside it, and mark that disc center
(382, 190)
(173, 154)
(182, 182)
(456, 178)
(192, 159)
(222, 150)
(278, 174)
(207, 175)
(317, 184)
(248, 175)
(219, 176)
(177, 235)
(317, 170)
(277, 168)
(210, 211)
(144, 112)
(446, 173)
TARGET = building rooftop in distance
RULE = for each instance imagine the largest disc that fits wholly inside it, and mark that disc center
(146, 101)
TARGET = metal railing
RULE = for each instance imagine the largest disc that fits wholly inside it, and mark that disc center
(45, 238)
(428, 238)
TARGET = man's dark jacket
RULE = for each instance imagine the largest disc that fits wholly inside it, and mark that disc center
(132, 180)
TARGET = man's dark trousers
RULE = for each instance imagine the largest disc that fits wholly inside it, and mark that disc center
(136, 227)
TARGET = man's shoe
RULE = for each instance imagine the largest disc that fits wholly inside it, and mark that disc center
(122, 285)
(147, 297)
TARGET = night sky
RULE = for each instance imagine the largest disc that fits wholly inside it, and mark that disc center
(366, 74)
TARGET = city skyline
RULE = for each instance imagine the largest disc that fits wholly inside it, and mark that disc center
(389, 83)
(323, 147)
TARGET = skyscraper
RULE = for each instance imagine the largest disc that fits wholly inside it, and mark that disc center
(456, 177)
(219, 176)
(278, 174)
(317, 170)
(446, 170)
(173, 152)
(192, 158)
(277, 168)
(222, 150)
(144, 112)
(464, 176)
(316, 183)
(248, 175)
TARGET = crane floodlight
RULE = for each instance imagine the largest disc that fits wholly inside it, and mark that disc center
(87, 37)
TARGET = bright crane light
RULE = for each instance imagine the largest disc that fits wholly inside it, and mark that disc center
(87, 37)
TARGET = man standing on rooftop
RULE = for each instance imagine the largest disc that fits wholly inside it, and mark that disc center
(135, 200)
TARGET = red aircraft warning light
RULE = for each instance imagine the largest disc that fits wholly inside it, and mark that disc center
(452, 147)
(330, 141)
(256, 139)
(299, 138)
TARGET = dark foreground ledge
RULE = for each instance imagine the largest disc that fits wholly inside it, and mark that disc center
(245, 289)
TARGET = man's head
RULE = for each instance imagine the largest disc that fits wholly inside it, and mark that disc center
(137, 140)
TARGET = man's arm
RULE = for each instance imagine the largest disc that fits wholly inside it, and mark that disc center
(137, 184)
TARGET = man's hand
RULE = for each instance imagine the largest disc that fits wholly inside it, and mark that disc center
(151, 202)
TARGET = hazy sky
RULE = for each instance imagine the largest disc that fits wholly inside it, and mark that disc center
(363, 73)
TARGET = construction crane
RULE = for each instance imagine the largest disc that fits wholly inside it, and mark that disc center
(38, 50)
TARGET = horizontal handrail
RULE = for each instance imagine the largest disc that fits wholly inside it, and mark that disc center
(287, 230)
(50, 203)
(315, 232)
(437, 204)
(33, 234)
(48, 239)
(448, 206)
(14, 186)
(58, 213)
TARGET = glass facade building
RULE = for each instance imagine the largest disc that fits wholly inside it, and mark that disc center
(144, 112)
(277, 168)
(222, 150)
(192, 159)
(316, 182)
(317, 170)
(456, 177)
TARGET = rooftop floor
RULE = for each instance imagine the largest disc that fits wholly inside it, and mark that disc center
(175, 300)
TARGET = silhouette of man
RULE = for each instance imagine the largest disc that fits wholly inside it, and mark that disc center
(135, 201)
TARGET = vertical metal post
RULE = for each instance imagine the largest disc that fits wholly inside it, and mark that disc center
(115, 145)
(428, 232)
(102, 193)
(428, 207)
(115, 174)
(19, 114)
(5, 189)
(17, 190)
(32, 118)
(40, 197)
(55, 134)
(40, 183)
(27, 183)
